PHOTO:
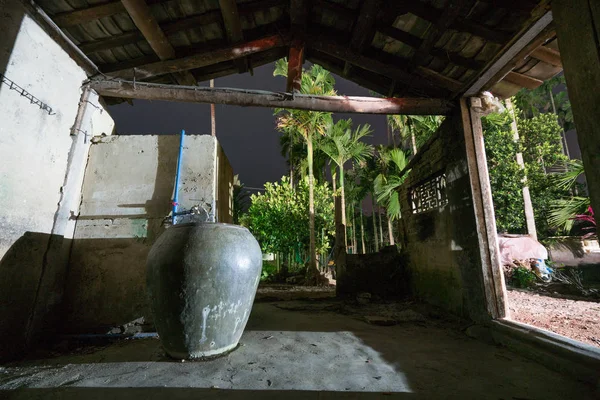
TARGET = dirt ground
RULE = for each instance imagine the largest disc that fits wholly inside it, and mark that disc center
(576, 319)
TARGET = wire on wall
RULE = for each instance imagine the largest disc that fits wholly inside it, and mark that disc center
(32, 99)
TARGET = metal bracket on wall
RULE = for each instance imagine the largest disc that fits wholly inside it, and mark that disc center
(32, 99)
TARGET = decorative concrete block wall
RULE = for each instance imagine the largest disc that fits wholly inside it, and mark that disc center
(438, 225)
(127, 195)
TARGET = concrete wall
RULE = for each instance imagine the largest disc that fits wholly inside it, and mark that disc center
(36, 192)
(127, 194)
(441, 244)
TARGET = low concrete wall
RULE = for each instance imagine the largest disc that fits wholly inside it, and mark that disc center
(440, 239)
(127, 194)
(382, 274)
(40, 174)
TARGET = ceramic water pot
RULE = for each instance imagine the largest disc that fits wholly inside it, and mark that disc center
(202, 279)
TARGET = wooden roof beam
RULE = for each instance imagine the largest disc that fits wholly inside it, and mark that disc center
(364, 28)
(547, 55)
(142, 17)
(259, 98)
(233, 28)
(203, 59)
(523, 80)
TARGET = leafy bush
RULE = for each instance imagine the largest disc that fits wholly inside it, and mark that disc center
(540, 144)
(279, 217)
(522, 277)
(269, 270)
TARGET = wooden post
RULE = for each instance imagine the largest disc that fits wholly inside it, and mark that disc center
(295, 60)
(213, 128)
(493, 278)
(529, 216)
(578, 31)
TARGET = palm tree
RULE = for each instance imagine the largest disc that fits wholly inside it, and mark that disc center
(368, 171)
(418, 128)
(343, 144)
(392, 174)
(307, 124)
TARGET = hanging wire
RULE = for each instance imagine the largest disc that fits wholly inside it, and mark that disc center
(32, 99)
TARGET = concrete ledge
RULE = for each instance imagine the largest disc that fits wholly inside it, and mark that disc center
(579, 360)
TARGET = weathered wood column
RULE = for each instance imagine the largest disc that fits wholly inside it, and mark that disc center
(578, 31)
(483, 206)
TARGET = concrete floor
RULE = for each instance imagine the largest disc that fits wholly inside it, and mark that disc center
(300, 350)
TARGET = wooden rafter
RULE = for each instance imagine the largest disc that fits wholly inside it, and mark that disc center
(548, 55)
(326, 62)
(371, 64)
(434, 78)
(533, 37)
(228, 68)
(523, 80)
(259, 98)
(298, 17)
(432, 14)
(364, 29)
(436, 30)
(84, 15)
(135, 36)
(416, 42)
(233, 28)
(142, 17)
(50, 27)
(204, 59)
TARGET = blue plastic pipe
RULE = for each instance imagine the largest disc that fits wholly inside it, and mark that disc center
(177, 176)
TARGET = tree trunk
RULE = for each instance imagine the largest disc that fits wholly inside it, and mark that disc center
(291, 157)
(374, 222)
(527, 205)
(390, 231)
(362, 230)
(413, 139)
(311, 271)
(343, 198)
(354, 244)
(380, 228)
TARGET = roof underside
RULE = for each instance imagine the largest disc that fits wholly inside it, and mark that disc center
(408, 48)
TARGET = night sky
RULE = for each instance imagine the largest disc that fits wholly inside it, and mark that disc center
(247, 134)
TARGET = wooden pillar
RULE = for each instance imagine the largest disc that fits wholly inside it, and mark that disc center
(295, 60)
(493, 278)
(578, 30)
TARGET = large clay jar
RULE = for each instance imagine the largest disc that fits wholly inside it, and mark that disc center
(202, 279)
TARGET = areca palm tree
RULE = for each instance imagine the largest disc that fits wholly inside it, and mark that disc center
(418, 128)
(391, 175)
(342, 144)
(367, 173)
(307, 125)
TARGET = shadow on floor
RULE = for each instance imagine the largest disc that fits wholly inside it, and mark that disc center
(301, 352)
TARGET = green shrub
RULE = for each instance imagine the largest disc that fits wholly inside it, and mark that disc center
(522, 277)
